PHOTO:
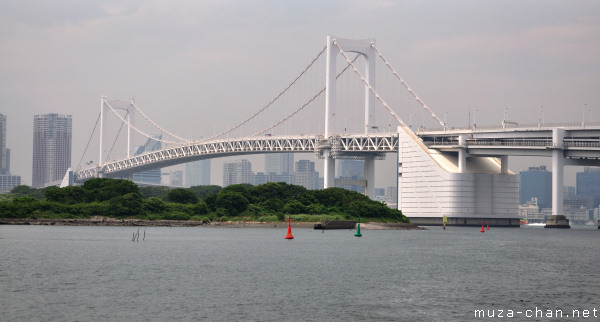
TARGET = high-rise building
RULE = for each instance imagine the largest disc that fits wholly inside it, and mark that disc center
(197, 173)
(305, 175)
(279, 163)
(7, 181)
(152, 176)
(51, 148)
(176, 178)
(536, 183)
(261, 178)
(3, 158)
(350, 170)
(237, 172)
(588, 186)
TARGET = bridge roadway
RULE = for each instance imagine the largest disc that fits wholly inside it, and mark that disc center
(580, 144)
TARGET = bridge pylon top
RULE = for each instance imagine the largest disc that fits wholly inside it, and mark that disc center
(363, 47)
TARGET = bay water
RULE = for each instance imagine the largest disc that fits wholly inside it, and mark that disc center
(67, 273)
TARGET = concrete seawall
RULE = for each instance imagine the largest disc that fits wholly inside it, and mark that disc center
(463, 221)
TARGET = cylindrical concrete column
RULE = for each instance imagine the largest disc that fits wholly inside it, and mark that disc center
(329, 171)
(558, 161)
(504, 164)
(462, 153)
(370, 176)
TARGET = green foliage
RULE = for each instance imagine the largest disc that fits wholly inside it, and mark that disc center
(27, 191)
(233, 203)
(316, 209)
(244, 189)
(177, 215)
(272, 205)
(181, 195)
(204, 191)
(200, 208)
(121, 198)
(127, 205)
(104, 189)
(67, 195)
(210, 201)
(154, 205)
(155, 191)
(294, 207)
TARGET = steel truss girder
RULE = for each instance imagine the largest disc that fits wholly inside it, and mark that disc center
(352, 146)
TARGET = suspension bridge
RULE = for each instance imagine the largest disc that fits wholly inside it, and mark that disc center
(459, 173)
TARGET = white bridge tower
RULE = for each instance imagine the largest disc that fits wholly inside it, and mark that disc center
(363, 47)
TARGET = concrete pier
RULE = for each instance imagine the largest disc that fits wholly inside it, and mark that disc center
(464, 221)
(557, 221)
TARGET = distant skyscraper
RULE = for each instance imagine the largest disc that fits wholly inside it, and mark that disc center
(7, 181)
(588, 186)
(197, 173)
(51, 148)
(237, 172)
(279, 163)
(261, 178)
(305, 175)
(176, 178)
(3, 158)
(536, 182)
(152, 176)
(351, 170)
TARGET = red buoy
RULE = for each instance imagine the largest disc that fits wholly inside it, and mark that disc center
(482, 230)
(289, 232)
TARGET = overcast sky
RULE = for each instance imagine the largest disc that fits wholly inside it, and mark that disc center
(183, 60)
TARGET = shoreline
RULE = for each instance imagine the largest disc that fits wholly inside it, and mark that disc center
(105, 221)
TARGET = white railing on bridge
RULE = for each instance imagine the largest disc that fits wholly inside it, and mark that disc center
(513, 126)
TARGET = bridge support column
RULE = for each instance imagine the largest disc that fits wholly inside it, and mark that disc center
(130, 134)
(504, 164)
(462, 153)
(557, 220)
(102, 128)
(370, 177)
(329, 169)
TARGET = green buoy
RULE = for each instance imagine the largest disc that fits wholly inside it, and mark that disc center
(358, 229)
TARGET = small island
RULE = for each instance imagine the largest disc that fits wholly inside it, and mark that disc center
(104, 201)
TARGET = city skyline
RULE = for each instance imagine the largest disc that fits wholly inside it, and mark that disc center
(466, 59)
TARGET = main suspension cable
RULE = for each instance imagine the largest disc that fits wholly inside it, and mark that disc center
(305, 104)
(88, 142)
(371, 89)
(135, 128)
(115, 141)
(272, 101)
(158, 126)
(442, 123)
